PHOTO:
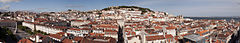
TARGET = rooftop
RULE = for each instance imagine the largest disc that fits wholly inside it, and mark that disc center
(194, 37)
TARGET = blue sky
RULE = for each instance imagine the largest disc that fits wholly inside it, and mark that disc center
(175, 7)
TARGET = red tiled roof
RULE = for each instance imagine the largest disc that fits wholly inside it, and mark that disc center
(176, 38)
(157, 37)
(67, 41)
(56, 36)
(157, 17)
(170, 27)
(25, 41)
(79, 29)
(77, 38)
(7, 21)
(90, 39)
(60, 27)
(158, 27)
(222, 35)
(128, 29)
(41, 19)
(110, 31)
(106, 26)
(201, 32)
(40, 35)
(168, 36)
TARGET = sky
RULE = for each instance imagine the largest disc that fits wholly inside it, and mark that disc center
(175, 7)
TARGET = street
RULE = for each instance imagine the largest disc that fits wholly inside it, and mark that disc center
(19, 34)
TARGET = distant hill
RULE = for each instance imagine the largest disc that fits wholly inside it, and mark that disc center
(144, 10)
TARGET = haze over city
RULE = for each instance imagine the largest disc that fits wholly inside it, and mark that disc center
(176, 7)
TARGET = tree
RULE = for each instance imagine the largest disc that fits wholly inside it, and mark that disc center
(22, 27)
(4, 33)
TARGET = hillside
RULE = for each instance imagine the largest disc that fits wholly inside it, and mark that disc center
(144, 10)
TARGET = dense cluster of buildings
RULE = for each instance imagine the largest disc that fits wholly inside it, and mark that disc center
(136, 26)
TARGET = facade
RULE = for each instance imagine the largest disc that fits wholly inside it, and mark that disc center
(111, 33)
(79, 22)
(50, 29)
(79, 32)
(30, 25)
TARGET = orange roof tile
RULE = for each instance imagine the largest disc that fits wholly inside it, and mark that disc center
(158, 27)
(201, 32)
(25, 41)
(157, 37)
(170, 27)
(168, 36)
(67, 41)
(76, 29)
(77, 38)
(110, 31)
(56, 36)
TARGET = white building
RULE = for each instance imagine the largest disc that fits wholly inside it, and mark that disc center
(170, 30)
(29, 25)
(50, 29)
(111, 33)
(134, 39)
(78, 32)
(79, 22)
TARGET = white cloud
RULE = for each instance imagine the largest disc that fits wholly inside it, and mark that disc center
(5, 5)
(7, 1)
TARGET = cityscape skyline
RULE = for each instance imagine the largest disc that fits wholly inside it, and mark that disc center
(175, 7)
(116, 24)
